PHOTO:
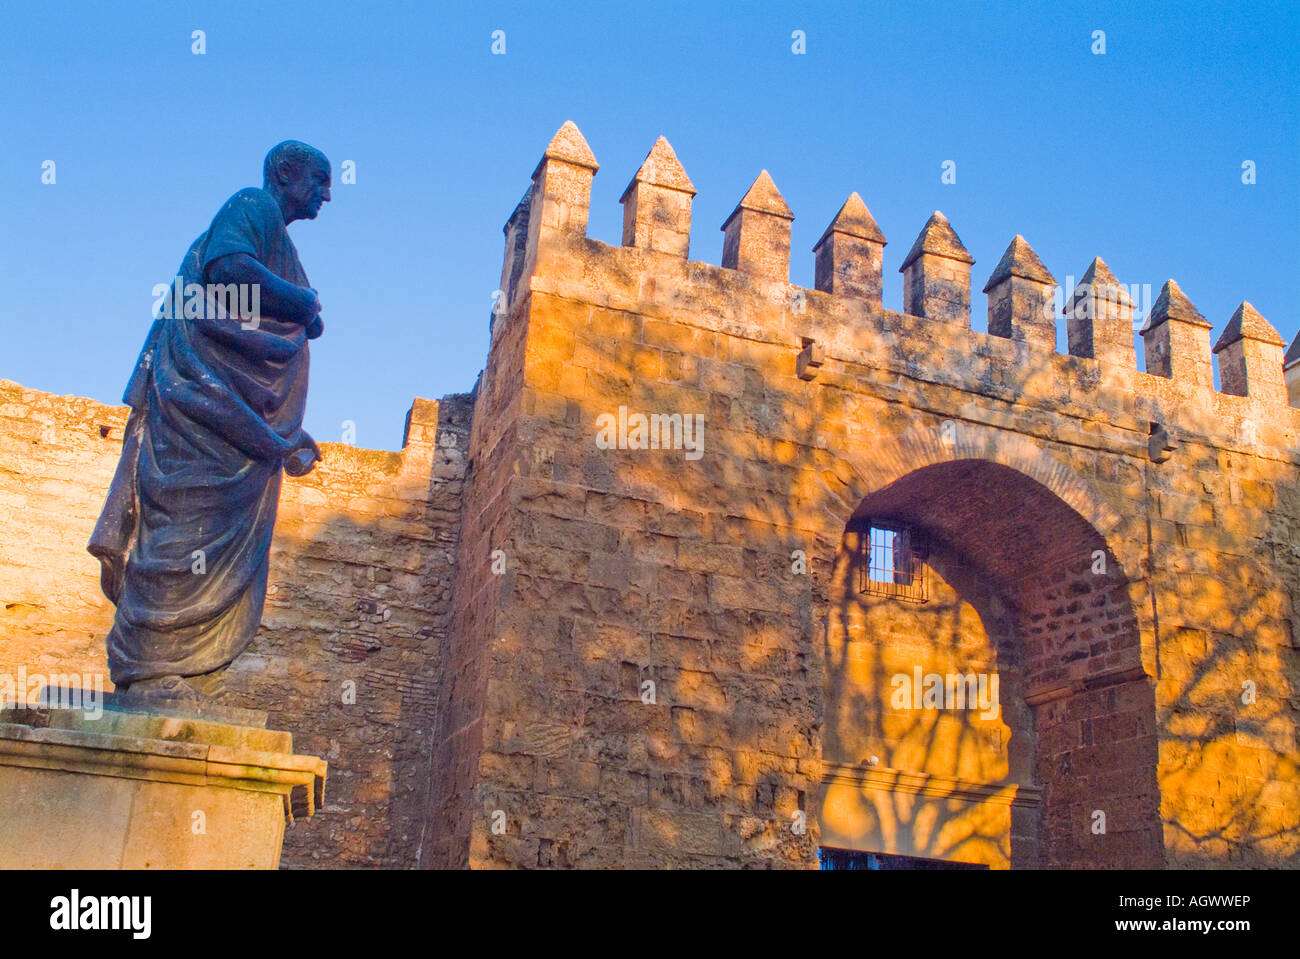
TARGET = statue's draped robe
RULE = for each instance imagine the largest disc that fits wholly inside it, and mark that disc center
(185, 534)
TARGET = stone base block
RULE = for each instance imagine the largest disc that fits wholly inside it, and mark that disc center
(147, 789)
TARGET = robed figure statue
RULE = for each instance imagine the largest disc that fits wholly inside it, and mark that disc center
(217, 400)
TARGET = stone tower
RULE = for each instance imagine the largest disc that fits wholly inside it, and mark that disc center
(736, 556)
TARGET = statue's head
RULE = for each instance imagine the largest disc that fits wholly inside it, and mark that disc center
(298, 176)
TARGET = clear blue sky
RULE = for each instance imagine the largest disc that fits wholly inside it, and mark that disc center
(1134, 155)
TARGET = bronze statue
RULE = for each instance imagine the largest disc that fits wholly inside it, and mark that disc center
(217, 403)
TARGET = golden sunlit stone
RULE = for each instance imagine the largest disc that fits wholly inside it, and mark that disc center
(1116, 546)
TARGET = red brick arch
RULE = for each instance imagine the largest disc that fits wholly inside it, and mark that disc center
(864, 470)
(859, 472)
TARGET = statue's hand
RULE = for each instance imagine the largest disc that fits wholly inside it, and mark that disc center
(310, 306)
(315, 328)
(303, 458)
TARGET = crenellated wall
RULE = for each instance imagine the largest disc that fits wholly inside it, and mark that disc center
(1119, 542)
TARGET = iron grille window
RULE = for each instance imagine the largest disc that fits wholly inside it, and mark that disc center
(892, 562)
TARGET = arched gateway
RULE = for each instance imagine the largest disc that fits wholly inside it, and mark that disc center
(985, 698)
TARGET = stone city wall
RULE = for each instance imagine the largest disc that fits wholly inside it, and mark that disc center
(358, 605)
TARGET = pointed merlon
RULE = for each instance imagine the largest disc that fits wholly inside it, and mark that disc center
(762, 197)
(1099, 278)
(1020, 260)
(756, 237)
(569, 145)
(1247, 324)
(1173, 304)
(937, 237)
(854, 219)
(661, 168)
(1176, 339)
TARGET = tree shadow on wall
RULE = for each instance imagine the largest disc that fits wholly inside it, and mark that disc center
(738, 752)
(874, 647)
(1228, 730)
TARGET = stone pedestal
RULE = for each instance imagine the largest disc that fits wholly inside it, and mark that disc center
(148, 788)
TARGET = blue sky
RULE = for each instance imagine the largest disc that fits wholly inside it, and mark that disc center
(1135, 155)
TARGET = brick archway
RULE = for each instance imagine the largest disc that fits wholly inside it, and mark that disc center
(859, 472)
(1022, 547)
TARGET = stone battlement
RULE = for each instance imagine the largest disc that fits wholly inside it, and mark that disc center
(677, 658)
(841, 323)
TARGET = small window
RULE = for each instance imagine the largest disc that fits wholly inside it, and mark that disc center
(883, 567)
(892, 558)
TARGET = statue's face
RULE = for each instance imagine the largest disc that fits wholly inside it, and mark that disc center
(307, 187)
